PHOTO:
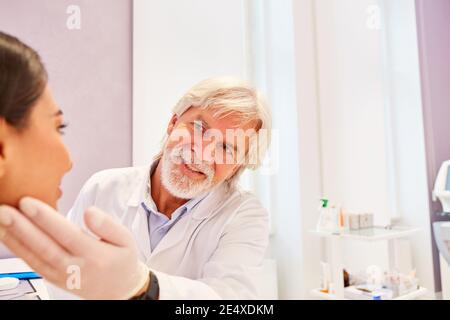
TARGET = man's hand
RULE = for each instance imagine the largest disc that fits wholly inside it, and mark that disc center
(104, 268)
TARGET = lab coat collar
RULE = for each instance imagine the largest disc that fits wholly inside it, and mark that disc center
(211, 203)
(142, 188)
(206, 206)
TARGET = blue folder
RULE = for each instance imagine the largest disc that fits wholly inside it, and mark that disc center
(21, 275)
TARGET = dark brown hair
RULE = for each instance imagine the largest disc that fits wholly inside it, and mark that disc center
(22, 80)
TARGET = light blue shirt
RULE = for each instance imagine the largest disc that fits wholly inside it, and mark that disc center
(158, 223)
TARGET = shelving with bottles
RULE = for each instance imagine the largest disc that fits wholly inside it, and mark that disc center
(334, 241)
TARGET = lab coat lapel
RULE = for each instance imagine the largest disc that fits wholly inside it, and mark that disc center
(139, 228)
(184, 228)
(139, 222)
(175, 235)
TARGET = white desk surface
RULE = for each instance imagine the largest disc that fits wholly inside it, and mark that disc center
(41, 289)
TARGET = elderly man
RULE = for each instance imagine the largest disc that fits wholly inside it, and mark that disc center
(178, 229)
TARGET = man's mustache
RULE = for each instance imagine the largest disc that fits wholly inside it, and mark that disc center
(183, 154)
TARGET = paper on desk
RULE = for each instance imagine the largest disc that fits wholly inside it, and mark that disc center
(20, 291)
(13, 265)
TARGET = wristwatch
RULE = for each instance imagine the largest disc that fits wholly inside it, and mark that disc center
(152, 292)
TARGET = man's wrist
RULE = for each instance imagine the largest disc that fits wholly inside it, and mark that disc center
(144, 288)
(151, 289)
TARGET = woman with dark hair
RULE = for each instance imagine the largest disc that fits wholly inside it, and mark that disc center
(33, 158)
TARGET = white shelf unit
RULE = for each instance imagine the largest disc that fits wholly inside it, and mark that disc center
(334, 240)
(409, 296)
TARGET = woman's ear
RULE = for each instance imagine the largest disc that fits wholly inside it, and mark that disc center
(172, 123)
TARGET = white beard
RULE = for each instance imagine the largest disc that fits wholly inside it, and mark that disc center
(178, 184)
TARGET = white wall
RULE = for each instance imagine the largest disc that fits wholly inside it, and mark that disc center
(281, 48)
(408, 137)
(352, 119)
(371, 126)
(289, 206)
(177, 44)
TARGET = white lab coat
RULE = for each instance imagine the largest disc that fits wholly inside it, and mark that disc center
(215, 251)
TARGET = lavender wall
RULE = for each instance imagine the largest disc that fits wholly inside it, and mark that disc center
(434, 49)
(90, 73)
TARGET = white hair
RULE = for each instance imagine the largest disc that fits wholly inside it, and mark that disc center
(232, 96)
